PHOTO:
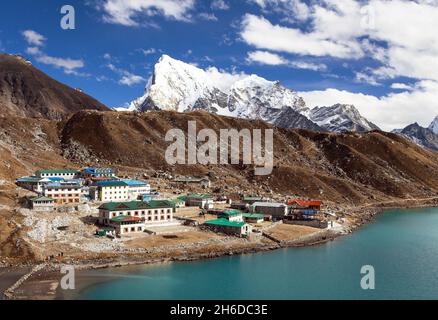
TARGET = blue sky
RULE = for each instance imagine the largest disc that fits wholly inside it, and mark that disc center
(357, 53)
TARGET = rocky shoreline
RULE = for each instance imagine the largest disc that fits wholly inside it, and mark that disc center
(48, 277)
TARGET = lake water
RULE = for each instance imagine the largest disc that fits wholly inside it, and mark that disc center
(402, 246)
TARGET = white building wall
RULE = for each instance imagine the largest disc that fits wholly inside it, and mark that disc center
(113, 194)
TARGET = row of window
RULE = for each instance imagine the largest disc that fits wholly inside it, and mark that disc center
(63, 195)
(143, 213)
(62, 201)
(58, 175)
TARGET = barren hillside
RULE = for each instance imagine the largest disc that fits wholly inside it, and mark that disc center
(27, 92)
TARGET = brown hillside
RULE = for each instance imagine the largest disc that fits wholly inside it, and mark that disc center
(27, 92)
(357, 168)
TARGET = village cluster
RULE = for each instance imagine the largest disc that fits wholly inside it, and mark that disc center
(129, 206)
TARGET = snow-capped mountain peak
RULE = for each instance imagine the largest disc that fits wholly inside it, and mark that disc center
(176, 85)
(434, 125)
(179, 86)
(341, 117)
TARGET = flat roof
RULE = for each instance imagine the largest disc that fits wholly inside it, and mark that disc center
(225, 223)
(28, 179)
(195, 196)
(137, 205)
(230, 213)
(254, 215)
(42, 199)
(269, 204)
(57, 171)
(121, 183)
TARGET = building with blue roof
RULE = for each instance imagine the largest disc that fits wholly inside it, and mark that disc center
(121, 190)
(98, 173)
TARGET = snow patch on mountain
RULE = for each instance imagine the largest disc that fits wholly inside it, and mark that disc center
(434, 125)
(340, 118)
(182, 87)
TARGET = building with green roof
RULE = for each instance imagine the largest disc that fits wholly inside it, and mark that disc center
(203, 182)
(152, 212)
(231, 215)
(253, 217)
(42, 204)
(203, 201)
(127, 224)
(226, 226)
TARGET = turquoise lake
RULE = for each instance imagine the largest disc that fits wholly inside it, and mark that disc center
(402, 246)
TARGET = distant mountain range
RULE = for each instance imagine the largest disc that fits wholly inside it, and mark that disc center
(426, 137)
(177, 86)
(182, 87)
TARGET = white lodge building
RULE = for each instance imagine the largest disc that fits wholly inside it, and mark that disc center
(153, 212)
(121, 190)
(63, 193)
(64, 174)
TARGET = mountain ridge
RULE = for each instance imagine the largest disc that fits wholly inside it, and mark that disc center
(178, 86)
(28, 92)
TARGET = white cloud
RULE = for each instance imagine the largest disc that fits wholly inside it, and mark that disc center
(392, 111)
(223, 79)
(126, 12)
(149, 51)
(219, 5)
(33, 38)
(127, 78)
(68, 65)
(399, 35)
(291, 9)
(401, 86)
(273, 59)
(208, 16)
(290, 40)
(131, 79)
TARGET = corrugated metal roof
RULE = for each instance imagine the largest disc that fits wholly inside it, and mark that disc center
(305, 202)
(225, 223)
(254, 215)
(42, 199)
(137, 205)
(28, 179)
(269, 204)
(230, 213)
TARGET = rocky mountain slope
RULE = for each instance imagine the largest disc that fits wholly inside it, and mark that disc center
(425, 137)
(178, 86)
(434, 125)
(350, 168)
(27, 92)
(340, 118)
